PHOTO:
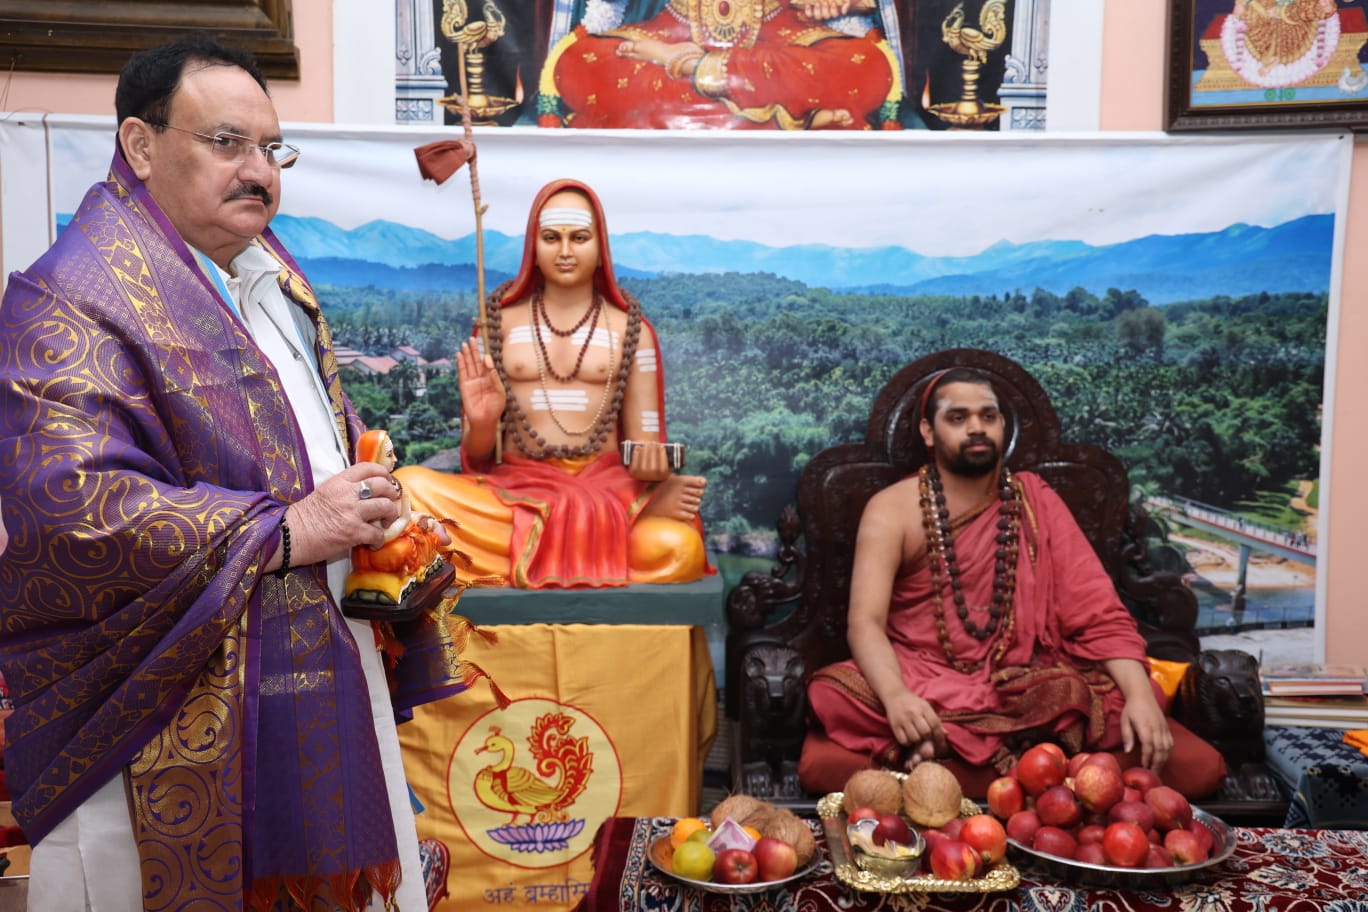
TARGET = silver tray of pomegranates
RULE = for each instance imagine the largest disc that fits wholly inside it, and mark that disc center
(849, 871)
(1136, 878)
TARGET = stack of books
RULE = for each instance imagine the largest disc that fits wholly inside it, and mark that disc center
(1315, 695)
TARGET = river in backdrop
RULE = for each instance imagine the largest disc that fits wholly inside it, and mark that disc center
(1263, 609)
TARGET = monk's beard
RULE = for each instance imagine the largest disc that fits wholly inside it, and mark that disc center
(974, 464)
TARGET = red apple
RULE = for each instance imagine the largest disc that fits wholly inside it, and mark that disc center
(932, 837)
(1076, 762)
(891, 828)
(735, 866)
(1158, 857)
(1125, 844)
(1090, 853)
(1090, 833)
(1051, 747)
(1136, 812)
(1140, 779)
(1204, 837)
(985, 834)
(1005, 797)
(1102, 758)
(1098, 786)
(952, 827)
(952, 859)
(1171, 810)
(1132, 794)
(1053, 841)
(861, 813)
(1184, 846)
(774, 858)
(1057, 806)
(1040, 767)
(1022, 826)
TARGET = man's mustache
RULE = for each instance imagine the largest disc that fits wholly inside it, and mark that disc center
(245, 190)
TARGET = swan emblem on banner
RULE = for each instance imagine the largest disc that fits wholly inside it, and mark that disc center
(530, 771)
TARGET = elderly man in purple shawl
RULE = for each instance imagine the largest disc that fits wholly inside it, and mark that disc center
(196, 724)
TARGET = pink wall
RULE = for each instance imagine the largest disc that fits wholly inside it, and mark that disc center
(1133, 80)
(309, 99)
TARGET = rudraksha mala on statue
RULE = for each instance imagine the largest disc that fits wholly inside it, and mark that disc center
(531, 443)
(940, 545)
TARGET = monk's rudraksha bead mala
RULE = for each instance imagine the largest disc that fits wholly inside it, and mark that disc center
(940, 546)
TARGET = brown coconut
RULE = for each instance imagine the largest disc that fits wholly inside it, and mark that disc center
(788, 826)
(931, 795)
(738, 808)
(759, 818)
(873, 788)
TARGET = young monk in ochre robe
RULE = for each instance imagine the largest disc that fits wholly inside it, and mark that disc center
(981, 620)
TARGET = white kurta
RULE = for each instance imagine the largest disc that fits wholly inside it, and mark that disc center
(89, 861)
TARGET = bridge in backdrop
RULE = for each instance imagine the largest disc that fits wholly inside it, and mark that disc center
(1246, 534)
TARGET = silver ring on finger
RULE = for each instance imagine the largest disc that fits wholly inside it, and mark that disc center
(363, 491)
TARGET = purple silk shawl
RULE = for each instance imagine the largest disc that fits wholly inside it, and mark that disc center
(147, 454)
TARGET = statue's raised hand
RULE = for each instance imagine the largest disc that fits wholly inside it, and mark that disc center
(482, 392)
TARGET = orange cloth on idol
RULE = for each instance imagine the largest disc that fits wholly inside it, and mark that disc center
(543, 524)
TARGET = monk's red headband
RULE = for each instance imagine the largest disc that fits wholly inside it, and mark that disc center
(931, 389)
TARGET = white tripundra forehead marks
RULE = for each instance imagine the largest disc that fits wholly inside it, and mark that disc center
(579, 218)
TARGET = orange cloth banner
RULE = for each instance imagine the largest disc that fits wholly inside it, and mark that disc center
(605, 720)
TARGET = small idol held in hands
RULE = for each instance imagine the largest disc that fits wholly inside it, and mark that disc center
(384, 579)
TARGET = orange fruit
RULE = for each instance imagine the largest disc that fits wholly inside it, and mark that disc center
(752, 832)
(693, 860)
(684, 828)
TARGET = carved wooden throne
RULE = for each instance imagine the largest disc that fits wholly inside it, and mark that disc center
(786, 624)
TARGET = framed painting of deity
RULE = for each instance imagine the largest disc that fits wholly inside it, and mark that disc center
(1267, 64)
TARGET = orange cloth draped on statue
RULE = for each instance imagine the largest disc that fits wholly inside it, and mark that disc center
(777, 70)
(1050, 683)
(552, 523)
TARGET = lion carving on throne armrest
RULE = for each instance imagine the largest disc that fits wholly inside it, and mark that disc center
(1220, 699)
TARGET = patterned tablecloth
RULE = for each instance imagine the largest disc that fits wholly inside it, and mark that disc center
(1270, 870)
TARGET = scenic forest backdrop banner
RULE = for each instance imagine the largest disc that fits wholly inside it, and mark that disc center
(1172, 296)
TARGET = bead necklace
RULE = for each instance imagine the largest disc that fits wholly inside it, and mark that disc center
(539, 312)
(941, 548)
(518, 422)
(544, 364)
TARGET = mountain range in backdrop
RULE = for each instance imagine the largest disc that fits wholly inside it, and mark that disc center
(1239, 260)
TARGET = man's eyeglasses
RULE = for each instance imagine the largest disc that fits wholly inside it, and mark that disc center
(231, 147)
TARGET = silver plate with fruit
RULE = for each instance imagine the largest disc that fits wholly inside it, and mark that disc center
(661, 852)
(1112, 876)
(1093, 823)
(865, 874)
